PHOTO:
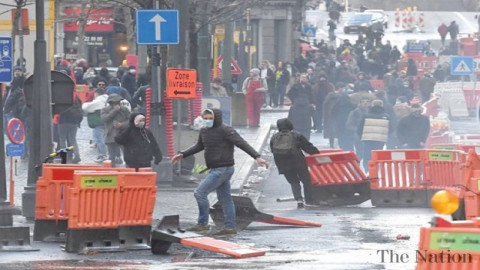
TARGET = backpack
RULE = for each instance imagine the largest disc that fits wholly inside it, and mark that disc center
(94, 119)
(284, 143)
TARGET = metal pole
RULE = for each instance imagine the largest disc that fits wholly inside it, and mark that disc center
(179, 133)
(3, 178)
(12, 184)
(249, 39)
(164, 170)
(41, 143)
(204, 49)
(227, 53)
(20, 39)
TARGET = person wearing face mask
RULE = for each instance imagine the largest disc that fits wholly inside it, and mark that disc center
(413, 129)
(129, 80)
(218, 141)
(139, 145)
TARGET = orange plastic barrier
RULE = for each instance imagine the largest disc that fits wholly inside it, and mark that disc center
(462, 147)
(333, 168)
(400, 169)
(437, 139)
(431, 107)
(469, 137)
(472, 97)
(81, 90)
(448, 249)
(443, 168)
(415, 169)
(52, 188)
(111, 199)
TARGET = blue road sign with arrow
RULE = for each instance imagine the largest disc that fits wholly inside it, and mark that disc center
(6, 62)
(157, 27)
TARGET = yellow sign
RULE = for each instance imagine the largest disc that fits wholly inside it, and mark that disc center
(440, 156)
(98, 181)
(253, 49)
(236, 36)
(220, 31)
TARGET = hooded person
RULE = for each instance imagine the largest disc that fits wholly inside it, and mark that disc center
(129, 80)
(115, 117)
(291, 163)
(140, 147)
(218, 141)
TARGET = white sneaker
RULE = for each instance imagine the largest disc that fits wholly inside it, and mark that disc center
(268, 107)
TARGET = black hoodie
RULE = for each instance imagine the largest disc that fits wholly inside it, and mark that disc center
(296, 161)
(140, 146)
(218, 143)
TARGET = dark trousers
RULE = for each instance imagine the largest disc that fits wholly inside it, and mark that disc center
(280, 89)
(67, 136)
(345, 140)
(114, 151)
(368, 146)
(294, 178)
(318, 117)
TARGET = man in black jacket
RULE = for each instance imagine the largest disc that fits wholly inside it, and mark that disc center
(413, 129)
(293, 165)
(218, 141)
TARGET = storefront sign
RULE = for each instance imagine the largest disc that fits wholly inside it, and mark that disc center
(99, 20)
(93, 41)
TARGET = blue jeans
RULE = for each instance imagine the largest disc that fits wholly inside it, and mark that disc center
(217, 179)
(98, 134)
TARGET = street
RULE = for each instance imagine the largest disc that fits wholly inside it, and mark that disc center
(352, 237)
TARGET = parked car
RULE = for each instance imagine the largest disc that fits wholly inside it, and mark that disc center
(384, 16)
(361, 21)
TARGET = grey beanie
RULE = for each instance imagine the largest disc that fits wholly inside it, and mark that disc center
(255, 71)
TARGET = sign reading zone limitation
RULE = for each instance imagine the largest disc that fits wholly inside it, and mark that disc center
(181, 83)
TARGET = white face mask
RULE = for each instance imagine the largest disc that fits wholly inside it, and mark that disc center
(140, 125)
(132, 71)
(208, 123)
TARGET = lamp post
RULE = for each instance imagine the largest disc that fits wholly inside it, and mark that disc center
(41, 144)
(249, 38)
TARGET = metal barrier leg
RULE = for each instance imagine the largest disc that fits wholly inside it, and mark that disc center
(15, 239)
(93, 240)
(400, 198)
(337, 195)
(135, 237)
(50, 230)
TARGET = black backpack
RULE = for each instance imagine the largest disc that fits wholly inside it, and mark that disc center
(284, 143)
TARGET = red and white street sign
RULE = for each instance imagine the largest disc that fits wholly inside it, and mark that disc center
(233, 65)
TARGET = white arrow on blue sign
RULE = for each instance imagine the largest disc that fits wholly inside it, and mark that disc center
(6, 61)
(156, 27)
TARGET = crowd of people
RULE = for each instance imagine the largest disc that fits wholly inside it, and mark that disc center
(112, 105)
